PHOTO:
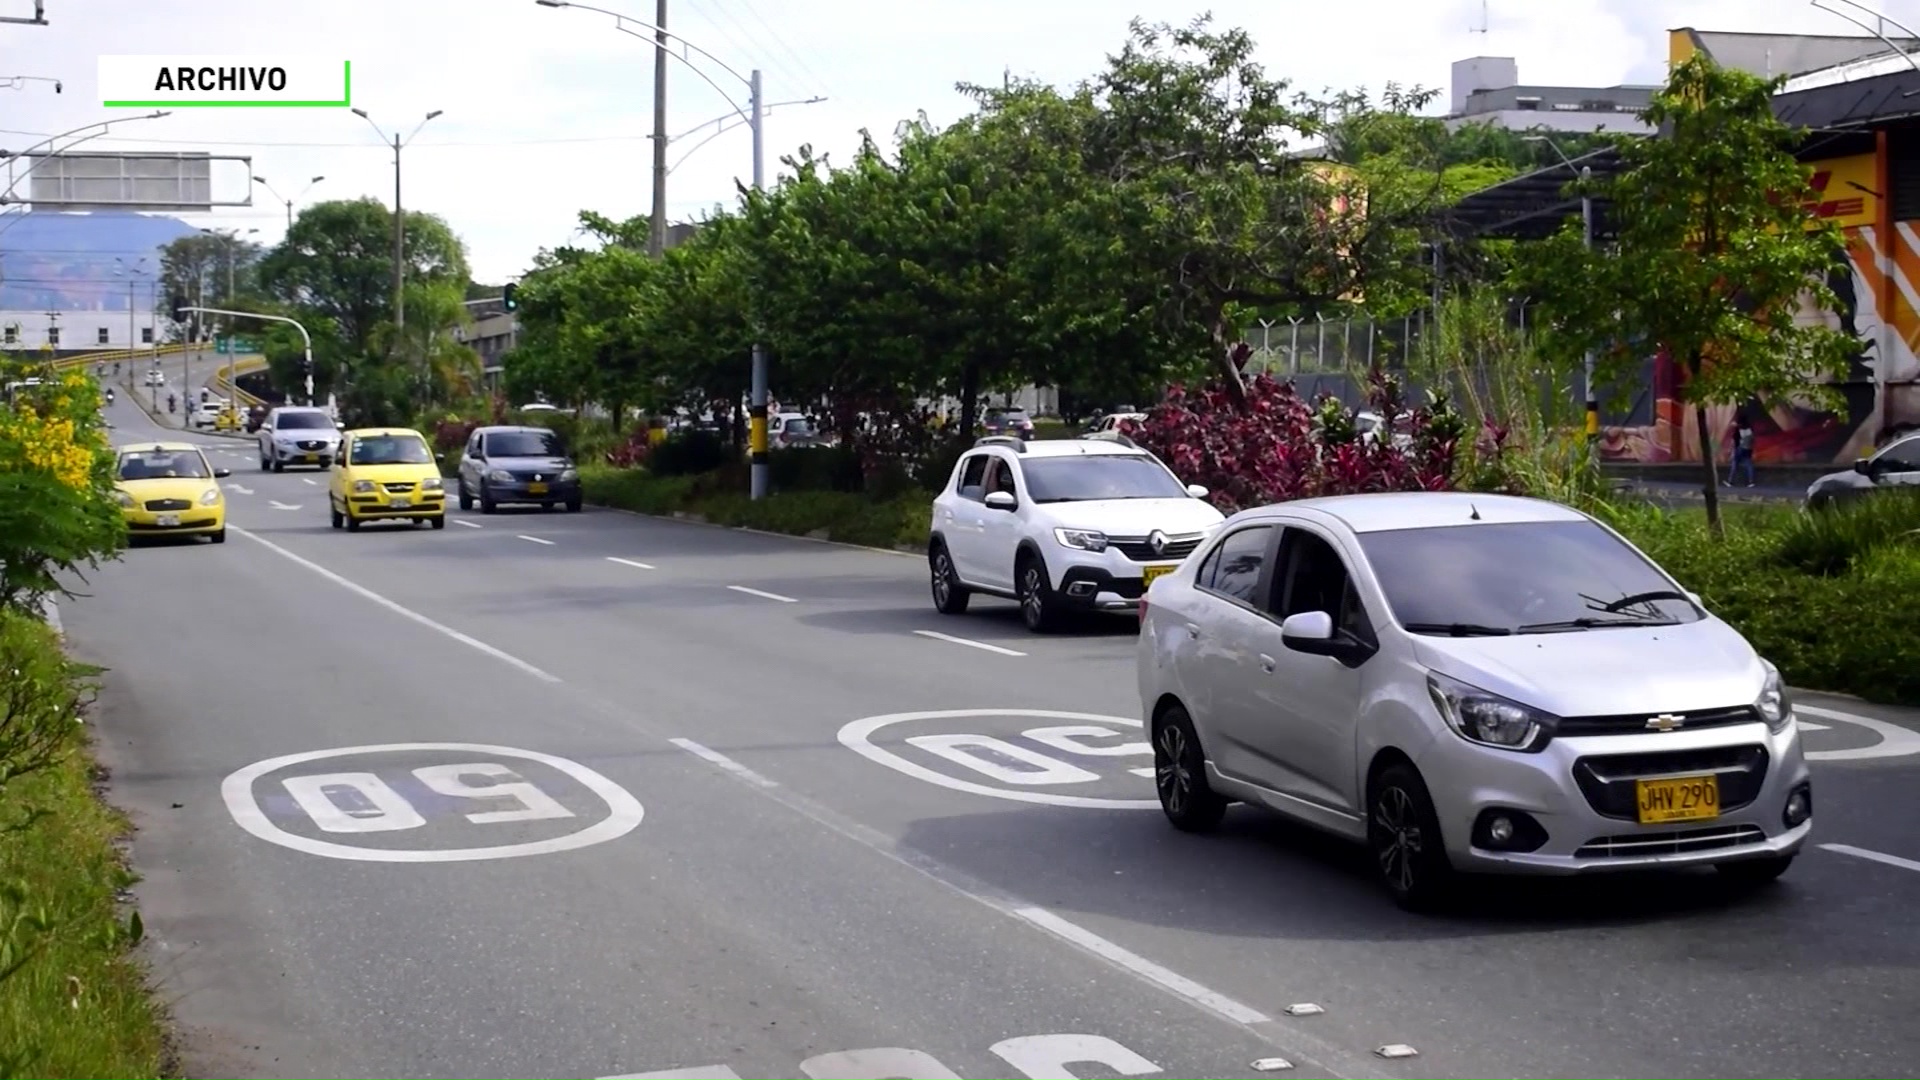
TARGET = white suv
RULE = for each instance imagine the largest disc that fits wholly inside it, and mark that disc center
(298, 435)
(1061, 525)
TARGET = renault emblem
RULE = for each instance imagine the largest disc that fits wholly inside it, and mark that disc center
(1157, 542)
(1665, 722)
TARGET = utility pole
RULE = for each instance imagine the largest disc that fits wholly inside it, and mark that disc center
(657, 227)
(759, 473)
(1586, 220)
(399, 246)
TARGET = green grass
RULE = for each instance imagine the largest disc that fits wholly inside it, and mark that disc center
(79, 1005)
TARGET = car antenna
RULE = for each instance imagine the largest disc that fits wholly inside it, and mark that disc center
(1475, 516)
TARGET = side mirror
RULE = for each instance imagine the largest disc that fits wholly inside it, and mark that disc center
(1308, 632)
(1001, 500)
(1198, 491)
(1694, 599)
(1864, 467)
(222, 474)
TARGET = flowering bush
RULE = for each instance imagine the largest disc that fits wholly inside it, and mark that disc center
(57, 511)
(632, 451)
(1281, 448)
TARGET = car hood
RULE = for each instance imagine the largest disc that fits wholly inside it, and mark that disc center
(391, 474)
(535, 464)
(1837, 480)
(1136, 517)
(172, 487)
(1656, 669)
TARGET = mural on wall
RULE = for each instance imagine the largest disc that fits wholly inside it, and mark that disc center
(1879, 403)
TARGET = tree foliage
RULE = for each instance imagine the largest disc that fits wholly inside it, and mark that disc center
(194, 267)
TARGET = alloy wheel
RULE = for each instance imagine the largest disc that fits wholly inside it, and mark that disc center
(942, 583)
(1031, 603)
(1398, 841)
(1170, 770)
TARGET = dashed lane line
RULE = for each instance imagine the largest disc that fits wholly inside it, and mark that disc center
(763, 594)
(533, 539)
(716, 758)
(631, 562)
(968, 642)
(468, 524)
(1872, 856)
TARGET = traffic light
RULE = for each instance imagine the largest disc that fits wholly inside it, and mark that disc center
(179, 308)
(509, 297)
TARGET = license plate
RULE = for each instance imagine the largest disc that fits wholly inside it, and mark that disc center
(167, 521)
(536, 489)
(400, 504)
(1147, 575)
(313, 457)
(1686, 798)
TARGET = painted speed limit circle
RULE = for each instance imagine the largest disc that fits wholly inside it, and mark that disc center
(1075, 754)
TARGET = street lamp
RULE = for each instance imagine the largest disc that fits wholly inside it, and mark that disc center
(753, 113)
(130, 271)
(725, 123)
(399, 226)
(262, 181)
(1586, 223)
(17, 82)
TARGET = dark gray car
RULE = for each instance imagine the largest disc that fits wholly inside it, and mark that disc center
(1897, 465)
(511, 464)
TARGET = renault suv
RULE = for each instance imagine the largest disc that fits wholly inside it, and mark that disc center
(1061, 526)
(298, 435)
(1467, 683)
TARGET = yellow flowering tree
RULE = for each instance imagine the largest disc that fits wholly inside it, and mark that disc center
(57, 513)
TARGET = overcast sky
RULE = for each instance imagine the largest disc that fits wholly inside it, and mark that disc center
(547, 111)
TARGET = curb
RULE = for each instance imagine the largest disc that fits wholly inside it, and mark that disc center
(681, 517)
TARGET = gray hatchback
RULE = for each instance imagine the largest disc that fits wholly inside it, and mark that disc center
(508, 464)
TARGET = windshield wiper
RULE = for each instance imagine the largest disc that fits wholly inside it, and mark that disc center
(1458, 629)
(1588, 622)
(1642, 598)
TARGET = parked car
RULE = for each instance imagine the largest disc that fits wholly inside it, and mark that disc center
(511, 464)
(1896, 465)
(1467, 682)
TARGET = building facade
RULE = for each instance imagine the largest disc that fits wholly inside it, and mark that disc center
(79, 330)
(1488, 90)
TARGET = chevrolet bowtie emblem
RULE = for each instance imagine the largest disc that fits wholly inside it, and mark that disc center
(1157, 542)
(536, 476)
(1665, 722)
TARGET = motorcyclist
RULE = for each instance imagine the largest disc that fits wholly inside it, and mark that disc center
(172, 402)
(109, 395)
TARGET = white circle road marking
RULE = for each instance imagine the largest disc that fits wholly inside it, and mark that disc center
(857, 736)
(1895, 741)
(626, 811)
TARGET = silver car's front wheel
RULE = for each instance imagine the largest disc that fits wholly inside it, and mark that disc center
(1180, 774)
(1404, 834)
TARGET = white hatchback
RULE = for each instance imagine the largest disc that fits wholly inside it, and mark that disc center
(1467, 683)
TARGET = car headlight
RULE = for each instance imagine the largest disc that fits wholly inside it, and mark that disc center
(1486, 718)
(210, 496)
(568, 476)
(363, 485)
(500, 476)
(123, 498)
(431, 483)
(1084, 539)
(1774, 705)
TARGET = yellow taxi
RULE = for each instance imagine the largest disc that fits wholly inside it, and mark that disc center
(169, 489)
(385, 474)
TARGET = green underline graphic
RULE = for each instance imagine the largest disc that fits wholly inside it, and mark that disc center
(346, 99)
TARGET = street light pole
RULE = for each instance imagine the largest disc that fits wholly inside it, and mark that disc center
(657, 227)
(270, 190)
(399, 219)
(305, 338)
(758, 470)
(1589, 395)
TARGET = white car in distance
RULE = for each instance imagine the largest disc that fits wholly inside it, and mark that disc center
(1467, 682)
(1061, 525)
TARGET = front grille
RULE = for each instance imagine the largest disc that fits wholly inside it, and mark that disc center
(1607, 779)
(1636, 723)
(147, 526)
(168, 504)
(1135, 548)
(543, 477)
(313, 444)
(398, 489)
(1629, 845)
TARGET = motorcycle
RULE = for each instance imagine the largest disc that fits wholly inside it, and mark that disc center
(109, 396)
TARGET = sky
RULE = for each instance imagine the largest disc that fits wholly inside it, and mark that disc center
(546, 112)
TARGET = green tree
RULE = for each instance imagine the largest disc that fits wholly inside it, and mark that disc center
(337, 262)
(195, 267)
(1715, 253)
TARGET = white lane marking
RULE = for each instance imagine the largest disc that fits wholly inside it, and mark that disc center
(1872, 856)
(533, 539)
(715, 757)
(763, 594)
(278, 505)
(238, 488)
(1895, 741)
(949, 638)
(625, 811)
(877, 1063)
(1210, 1000)
(1807, 725)
(708, 1072)
(630, 562)
(857, 736)
(467, 524)
(309, 480)
(1039, 1056)
(400, 609)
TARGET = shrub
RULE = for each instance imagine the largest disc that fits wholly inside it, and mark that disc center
(57, 508)
(1830, 541)
(686, 453)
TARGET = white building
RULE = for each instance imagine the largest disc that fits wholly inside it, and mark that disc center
(1488, 90)
(80, 330)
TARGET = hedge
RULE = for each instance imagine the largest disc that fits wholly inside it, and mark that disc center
(1828, 597)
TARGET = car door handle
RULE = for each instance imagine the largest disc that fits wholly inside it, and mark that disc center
(1193, 631)
(1266, 663)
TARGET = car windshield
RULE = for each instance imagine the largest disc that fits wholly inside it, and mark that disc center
(1099, 476)
(525, 444)
(390, 450)
(797, 425)
(309, 421)
(1519, 578)
(163, 465)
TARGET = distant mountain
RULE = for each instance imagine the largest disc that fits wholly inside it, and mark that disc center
(53, 261)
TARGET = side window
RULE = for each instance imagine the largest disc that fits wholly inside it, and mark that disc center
(1901, 458)
(473, 445)
(1314, 578)
(999, 477)
(973, 476)
(1233, 568)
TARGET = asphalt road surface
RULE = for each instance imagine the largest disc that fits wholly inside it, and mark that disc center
(720, 836)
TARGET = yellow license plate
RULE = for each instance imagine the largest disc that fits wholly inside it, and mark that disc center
(1147, 575)
(313, 457)
(1686, 798)
(536, 489)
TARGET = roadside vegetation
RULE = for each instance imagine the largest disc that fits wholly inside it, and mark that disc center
(74, 1000)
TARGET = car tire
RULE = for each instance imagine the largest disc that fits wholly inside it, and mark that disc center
(1038, 608)
(575, 504)
(335, 518)
(353, 523)
(466, 497)
(265, 465)
(1180, 774)
(949, 596)
(440, 521)
(487, 505)
(1754, 873)
(278, 465)
(219, 536)
(1403, 833)
(546, 507)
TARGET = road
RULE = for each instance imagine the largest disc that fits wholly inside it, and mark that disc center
(712, 865)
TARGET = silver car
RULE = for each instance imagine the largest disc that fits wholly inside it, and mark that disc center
(1467, 683)
(298, 435)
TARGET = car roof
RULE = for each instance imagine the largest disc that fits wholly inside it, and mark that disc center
(168, 446)
(1386, 511)
(497, 429)
(385, 431)
(1053, 448)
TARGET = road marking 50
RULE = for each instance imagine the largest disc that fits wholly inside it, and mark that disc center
(1038, 1057)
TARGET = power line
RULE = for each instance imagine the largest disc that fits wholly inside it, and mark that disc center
(361, 145)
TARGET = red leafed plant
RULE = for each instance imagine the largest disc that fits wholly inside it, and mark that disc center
(632, 451)
(452, 433)
(1281, 448)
